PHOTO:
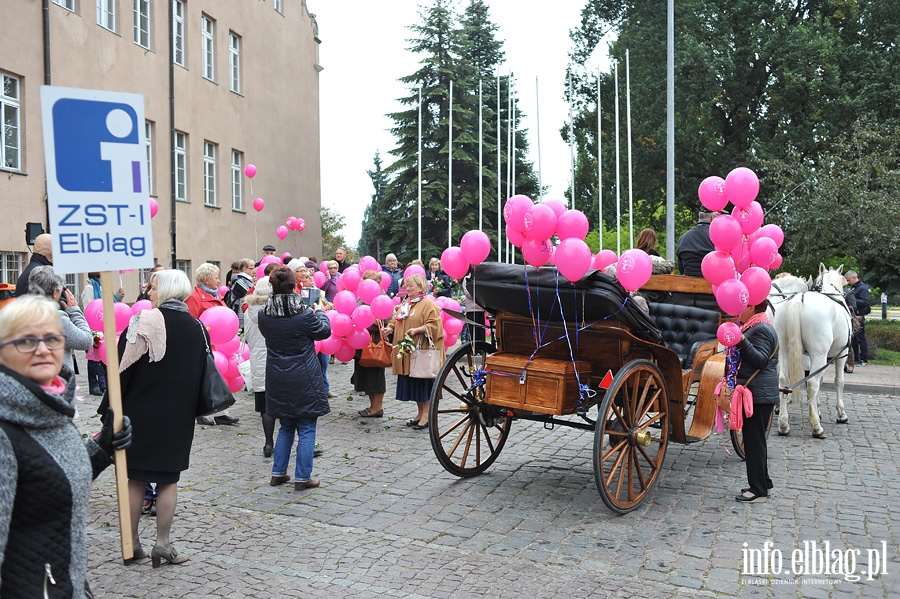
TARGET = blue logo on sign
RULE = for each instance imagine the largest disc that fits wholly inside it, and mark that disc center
(86, 133)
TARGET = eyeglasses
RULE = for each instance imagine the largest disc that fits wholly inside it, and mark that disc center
(29, 345)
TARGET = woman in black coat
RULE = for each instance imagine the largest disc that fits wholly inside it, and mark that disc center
(162, 356)
(759, 354)
(295, 387)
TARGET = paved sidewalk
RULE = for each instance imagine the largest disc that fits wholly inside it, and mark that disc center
(871, 378)
(388, 521)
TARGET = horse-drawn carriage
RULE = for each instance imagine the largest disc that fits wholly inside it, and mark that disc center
(584, 356)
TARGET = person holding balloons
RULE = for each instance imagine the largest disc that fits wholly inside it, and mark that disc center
(419, 317)
(366, 379)
(43, 280)
(162, 356)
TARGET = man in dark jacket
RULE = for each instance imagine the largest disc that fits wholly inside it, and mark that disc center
(861, 293)
(694, 245)
(42, 256)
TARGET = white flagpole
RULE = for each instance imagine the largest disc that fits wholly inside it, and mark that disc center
(571, 145)
(618, 168)
(480, 162)
(509, 128)
(628, 126)
(537, 111)
(599, 168)
(420, 172)
(515, 125)
(500, 238)
(450, 172)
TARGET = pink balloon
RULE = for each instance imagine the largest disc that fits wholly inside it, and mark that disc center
(717, 266)
(319, 279)
(362, 317)
(453, 262)
(514, 212)
(729, 334)
(750, 217)
(540, 222)
(122, 313)
(604, 258)
(450, 340)
(776, 262)
(725, 232)
(382, 307)
(345, 353)
(742, 186)
(385, 281)
(572, 223)
(101, 350)
(475, 246)
(573, 258)
(758, 284)
(341, 325)
(93, 313)
(221, 362)
(154, 207)
(281, 232)
(368, 290)
(452, 304)
(229, 347)
(291, 223)
(774, 232)
(286, 257)
(301, 224)
(732, 296)
(536, 252)
(345, 303)
(323, 267)
(245, 352)
(396, 300)
(232, 371)
(223, 289)
(369, 263)
(260, 271)
(141, 305)
(235, 384)
(558, 206)
(712, 194)
(413, 269)
(351, 278)
(514, 237)
(222, 323)
(259, 204)
(763, 251)
(332, 344)
(250, 171)
(453, 326)
(358, 338)
(634, 269)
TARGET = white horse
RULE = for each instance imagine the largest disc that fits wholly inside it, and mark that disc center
(818, 325)
(784, 287)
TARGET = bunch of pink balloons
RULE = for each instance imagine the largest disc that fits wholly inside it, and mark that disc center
(296, 224)
(473, 249)
(228, 349)
(745, 249)
(453, 326)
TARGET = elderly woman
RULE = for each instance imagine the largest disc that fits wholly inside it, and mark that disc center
(392, 267)
(42, 533)
(295, 390)
(43, 280)
(440, 281)
(162, 357)
(254, 302)
(368, 379)
(205, 296)
(419, 317)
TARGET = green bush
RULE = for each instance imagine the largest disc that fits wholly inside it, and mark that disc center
(882, 334)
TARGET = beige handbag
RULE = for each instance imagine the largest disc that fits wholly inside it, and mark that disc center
(425, 362)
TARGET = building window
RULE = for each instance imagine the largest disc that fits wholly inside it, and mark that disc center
(279, 6)
(10, 267)
(10, 135)
(148, 141)
(142, 23)
(178, 32)
(208, 47)
(209, 173)
(185, 267)
(180, 151)
(67, 4)
(234, 61)
(237, 181)
(106, 14)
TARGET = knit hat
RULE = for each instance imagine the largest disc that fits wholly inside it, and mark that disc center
(263, 287)
(295, 264)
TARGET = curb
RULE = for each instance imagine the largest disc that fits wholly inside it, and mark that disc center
(865, 389)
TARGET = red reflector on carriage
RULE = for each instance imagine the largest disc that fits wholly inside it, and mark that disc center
(607, 380)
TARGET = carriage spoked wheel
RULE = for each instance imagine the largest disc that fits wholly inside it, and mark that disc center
(631, 435)
(466, 433)
(737, 438)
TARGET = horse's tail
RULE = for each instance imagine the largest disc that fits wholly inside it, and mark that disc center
(792, 318)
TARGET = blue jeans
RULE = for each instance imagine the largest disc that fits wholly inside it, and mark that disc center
(96, 375)
(323, 362)
(306, 442)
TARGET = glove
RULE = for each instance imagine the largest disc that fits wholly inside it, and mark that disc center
(109, 441)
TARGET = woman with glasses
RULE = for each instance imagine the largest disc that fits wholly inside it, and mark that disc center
(43, 280)
(46, 467)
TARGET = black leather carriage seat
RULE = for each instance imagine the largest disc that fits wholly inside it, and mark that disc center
(684, 328)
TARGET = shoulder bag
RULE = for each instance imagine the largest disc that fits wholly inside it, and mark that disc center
(214, 393)
(377, 354)
(425, 362)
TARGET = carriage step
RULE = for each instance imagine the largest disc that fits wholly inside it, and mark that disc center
(692, 439)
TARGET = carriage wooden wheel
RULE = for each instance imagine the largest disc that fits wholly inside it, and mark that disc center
(631, 435)
(466, 433)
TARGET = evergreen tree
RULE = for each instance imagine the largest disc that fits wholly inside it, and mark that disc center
(373, 229)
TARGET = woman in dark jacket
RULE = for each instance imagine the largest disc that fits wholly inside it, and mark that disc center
(758, 352)
(162, 356)
(295, 388)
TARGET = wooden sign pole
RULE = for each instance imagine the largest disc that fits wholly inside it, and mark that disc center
(114, 390)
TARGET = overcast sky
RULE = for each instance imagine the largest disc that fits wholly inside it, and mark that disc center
(363, 53)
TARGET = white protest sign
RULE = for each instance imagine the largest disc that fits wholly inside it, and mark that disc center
(97, 192)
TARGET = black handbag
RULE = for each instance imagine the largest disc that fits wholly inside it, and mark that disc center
(214, 393)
